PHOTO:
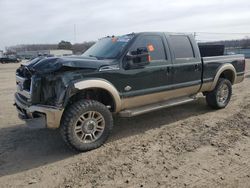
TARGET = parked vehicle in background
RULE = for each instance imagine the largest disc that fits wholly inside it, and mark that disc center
(9, 59)
(127, 76)
(1, 53)
(230, 53)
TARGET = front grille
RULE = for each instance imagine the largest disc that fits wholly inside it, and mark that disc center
(23, 81)
(22, 100)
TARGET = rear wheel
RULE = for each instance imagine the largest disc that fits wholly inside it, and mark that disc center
(86, 125)
(221, 95)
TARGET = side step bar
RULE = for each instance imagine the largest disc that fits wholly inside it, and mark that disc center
(156, 106)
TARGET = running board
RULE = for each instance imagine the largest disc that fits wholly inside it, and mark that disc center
(156, 106)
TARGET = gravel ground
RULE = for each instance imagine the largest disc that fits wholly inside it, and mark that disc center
(184, 146)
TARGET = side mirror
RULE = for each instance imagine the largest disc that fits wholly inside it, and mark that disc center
(138, 58)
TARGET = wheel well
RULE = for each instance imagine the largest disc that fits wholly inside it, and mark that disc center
(98, 94)
(229, 75)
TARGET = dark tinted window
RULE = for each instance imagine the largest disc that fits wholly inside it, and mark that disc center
(154, 44)
(181, 46)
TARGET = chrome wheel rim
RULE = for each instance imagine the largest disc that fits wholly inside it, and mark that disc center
(89, 127)
(222, 94)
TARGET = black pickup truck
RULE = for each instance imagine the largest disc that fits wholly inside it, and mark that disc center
(125, 75)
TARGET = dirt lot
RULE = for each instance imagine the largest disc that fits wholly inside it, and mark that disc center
(184, 146)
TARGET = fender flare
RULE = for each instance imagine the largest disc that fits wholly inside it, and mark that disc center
(102, 84)
(220, 71)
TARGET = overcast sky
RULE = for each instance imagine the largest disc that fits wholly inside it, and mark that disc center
(49, 21)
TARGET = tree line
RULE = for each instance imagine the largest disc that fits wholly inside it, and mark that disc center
(241, 43)
(77, 48)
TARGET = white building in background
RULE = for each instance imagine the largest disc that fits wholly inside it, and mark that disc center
(58, 53)
(49, 53)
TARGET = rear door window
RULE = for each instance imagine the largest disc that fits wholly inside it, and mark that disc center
(181, 46)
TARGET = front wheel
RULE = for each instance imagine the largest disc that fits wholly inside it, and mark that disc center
(221, 95)
(86, 125)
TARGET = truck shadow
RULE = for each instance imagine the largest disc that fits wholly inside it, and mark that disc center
(125, 127)
(23, 148)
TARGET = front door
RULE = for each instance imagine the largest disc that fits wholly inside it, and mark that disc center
(140, 86)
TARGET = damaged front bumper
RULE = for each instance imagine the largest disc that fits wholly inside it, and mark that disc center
(38, 116)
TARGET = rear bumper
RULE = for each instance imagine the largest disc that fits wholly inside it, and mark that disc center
(38, 116)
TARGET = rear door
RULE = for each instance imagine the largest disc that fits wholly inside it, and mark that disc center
(187, 65)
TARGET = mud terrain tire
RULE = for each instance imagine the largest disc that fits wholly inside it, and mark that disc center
(86, 125)
(221, 95)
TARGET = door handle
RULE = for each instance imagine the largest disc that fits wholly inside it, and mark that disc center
(196, 67)
(168, 69)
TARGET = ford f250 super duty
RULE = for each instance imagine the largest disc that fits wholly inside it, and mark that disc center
(125, 75)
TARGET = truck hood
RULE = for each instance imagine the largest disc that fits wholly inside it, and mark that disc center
(52, 64)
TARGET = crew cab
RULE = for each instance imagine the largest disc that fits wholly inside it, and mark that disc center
(124, 75)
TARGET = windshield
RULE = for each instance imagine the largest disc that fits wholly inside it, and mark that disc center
(108, 47)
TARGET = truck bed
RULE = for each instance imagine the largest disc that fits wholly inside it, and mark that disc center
(210, 64)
